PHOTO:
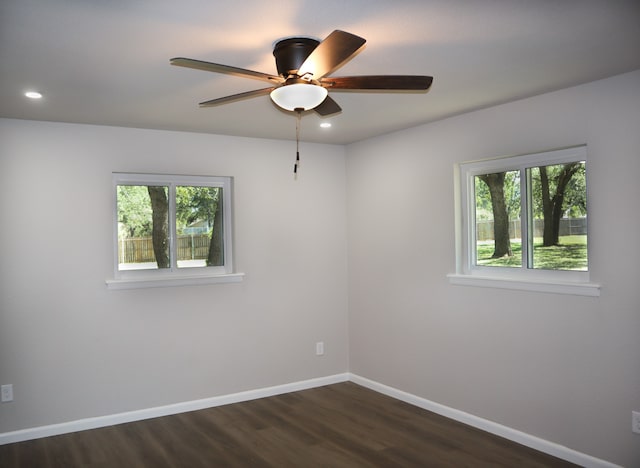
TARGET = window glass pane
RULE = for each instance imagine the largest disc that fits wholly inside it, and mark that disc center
(559, 212)
(143, 227)
(199, 226)
(497, 213)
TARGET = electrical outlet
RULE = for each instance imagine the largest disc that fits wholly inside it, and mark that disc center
(7, 393)
(319, 348)
(635, 421)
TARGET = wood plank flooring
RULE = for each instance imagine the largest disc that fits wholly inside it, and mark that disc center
(341, 425)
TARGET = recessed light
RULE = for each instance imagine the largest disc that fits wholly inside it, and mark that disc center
(325, 125)
(33, 95)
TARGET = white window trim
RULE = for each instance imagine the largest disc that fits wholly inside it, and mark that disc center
(469, 274)
(173, 276)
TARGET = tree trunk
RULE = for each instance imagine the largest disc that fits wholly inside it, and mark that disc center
(552, 205)
(547, 209)
(160, 217)
(216, 246)
(495, 182)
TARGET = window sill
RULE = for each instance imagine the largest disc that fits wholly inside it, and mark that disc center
(147, 282)
(576, 289)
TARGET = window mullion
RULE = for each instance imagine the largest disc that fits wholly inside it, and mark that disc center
(525, 218)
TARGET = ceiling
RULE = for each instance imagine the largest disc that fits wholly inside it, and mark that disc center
(107, 62)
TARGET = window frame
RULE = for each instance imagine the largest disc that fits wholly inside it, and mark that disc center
(522, 277)
(174, 276)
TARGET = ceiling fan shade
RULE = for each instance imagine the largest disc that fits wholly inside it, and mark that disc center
(303, 64)
(296, 96)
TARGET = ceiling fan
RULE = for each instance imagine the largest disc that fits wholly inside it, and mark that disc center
(302, 83)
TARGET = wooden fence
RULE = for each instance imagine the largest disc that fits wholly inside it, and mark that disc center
(140, 249)
(568, 227)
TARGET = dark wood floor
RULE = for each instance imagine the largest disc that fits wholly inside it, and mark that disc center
(341, 425)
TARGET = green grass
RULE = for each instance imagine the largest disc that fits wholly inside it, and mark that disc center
(570, 254)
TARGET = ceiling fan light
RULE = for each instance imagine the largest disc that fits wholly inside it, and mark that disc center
(299, 96)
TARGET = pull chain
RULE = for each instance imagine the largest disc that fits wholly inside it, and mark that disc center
(297, 163)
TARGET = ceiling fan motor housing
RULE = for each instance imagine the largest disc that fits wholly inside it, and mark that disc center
(291, 53)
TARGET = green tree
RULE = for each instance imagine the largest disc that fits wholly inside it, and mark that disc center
(134, 210)
(195, 204)
(576, 194)
(160, 231)
(556, 194)
(202, 204)
(216, 246)
(495, 184)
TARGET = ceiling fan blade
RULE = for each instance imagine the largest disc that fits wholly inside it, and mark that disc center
(236, 97)
(229, 70)
(337, 48)
(327, 107)
(381, 82)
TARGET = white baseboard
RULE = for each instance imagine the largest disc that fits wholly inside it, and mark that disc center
(514, 435)
(148, 413)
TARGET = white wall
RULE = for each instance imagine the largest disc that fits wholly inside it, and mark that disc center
(563, 368)
(73, 349)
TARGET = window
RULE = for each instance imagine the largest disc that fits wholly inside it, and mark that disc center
(170, 228)
(523, 222)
